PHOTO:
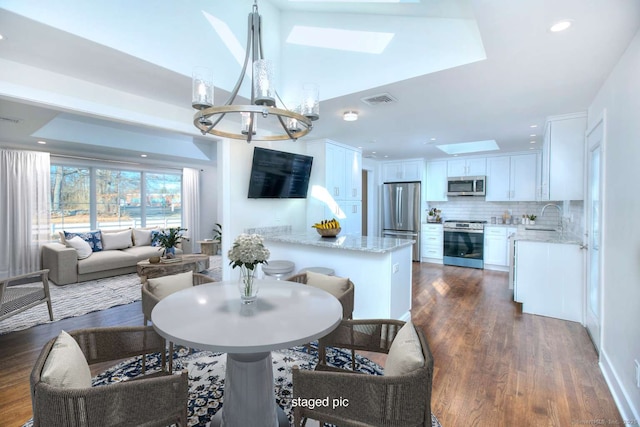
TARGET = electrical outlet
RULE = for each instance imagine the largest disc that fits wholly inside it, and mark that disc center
(396, 267)
(637, 372)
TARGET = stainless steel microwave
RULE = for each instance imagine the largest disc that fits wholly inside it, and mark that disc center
(466, 186)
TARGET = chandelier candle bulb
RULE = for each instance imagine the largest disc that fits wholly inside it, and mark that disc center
(263, 79)
(202, 90)
(310, 107)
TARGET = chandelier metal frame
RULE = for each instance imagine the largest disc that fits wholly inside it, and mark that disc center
(294, 125)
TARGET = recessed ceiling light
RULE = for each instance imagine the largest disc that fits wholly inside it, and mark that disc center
(350, 116)
(433, 139)
(143, 155)
(560, 25)
(42, 142)
(1, 37)
(533, 135)
(533, 126)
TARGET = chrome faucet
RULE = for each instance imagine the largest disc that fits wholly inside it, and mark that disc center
(559, 212)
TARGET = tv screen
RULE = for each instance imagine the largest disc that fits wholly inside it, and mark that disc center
(279, 175)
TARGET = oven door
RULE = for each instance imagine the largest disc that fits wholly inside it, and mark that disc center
(464, 248)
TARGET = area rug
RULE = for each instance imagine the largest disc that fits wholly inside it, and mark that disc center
(207, 370)
(85, 297)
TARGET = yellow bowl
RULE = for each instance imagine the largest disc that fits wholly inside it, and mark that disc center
(328, 232)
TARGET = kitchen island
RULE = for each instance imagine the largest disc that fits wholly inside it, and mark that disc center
(379, 267)
(548, 274)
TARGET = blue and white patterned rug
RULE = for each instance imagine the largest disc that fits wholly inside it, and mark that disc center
(206, 376)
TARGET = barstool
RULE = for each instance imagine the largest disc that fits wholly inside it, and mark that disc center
(278, 269)
(321, 270)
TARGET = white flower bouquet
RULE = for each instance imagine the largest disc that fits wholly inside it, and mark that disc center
(247, 252)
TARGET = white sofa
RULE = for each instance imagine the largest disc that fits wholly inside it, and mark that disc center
(65, 267)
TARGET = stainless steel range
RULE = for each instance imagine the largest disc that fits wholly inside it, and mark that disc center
(464, 243)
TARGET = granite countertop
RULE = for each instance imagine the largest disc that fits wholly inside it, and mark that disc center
(547, 236)
(347, 242)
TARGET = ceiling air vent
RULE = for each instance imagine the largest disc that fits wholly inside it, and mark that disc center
(11, 120)
(382, 98)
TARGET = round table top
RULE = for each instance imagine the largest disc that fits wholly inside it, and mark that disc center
(212, 317)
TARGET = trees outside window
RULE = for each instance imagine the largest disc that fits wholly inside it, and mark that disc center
(88, 198)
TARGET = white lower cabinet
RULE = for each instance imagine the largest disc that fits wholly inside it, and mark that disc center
(431, 242)
(549, 279)
(496, 247)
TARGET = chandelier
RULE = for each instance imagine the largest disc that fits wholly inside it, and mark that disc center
(294, 123)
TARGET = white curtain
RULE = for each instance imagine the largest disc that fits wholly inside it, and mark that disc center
(24, 209)
(191, 203)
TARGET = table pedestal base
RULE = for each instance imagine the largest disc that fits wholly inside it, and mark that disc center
(249, 393)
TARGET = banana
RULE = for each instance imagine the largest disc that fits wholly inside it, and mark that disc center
(327, 224)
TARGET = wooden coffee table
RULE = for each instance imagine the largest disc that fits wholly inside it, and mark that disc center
(193, 262)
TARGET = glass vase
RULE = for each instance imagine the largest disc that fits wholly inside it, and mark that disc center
(248, 286)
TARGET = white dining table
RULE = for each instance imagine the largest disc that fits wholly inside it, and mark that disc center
(212, 317)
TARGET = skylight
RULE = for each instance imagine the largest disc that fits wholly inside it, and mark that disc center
(334, 38)
(356, 1)
(227, 37)
(469, 147)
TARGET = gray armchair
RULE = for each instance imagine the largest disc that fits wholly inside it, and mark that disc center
(402, 400)
(158, 399)
(20, 293)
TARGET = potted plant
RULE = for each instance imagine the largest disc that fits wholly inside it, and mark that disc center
(169, 239)
(532, 219)
(433, 215)
(217, 238)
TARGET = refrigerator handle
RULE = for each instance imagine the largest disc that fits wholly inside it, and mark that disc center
(399, 206)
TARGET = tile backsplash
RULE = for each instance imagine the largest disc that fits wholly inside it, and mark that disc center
(470, 208)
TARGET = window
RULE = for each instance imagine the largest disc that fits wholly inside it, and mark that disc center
(70, 198)
(88, 198)
(118, 199)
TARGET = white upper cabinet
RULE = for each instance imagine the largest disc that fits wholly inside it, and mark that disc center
(337, 177)
(467, 167)
(353, 177)
(563, 158)
(406, 170)
(437, 181)
(512, 178)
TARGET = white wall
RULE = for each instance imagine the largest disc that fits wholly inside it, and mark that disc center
(620, 97)
(237, 212)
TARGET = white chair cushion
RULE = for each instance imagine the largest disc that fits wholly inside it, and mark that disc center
(405, 353)
(118, 240)
(141, 237)
(66, 365)
(81, 246)
(166, 285)
(335, 285)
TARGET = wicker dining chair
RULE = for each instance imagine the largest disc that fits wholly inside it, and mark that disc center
(394, 400)
(20, 293)
(157, 399)
(346, 299)
(149, 300)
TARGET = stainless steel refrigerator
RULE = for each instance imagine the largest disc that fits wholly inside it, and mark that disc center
(401, 212)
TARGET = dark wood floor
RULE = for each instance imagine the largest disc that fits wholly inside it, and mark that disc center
(494, 366)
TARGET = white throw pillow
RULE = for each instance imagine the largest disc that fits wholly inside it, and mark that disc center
(81, 246)
(141, 237)
(66, 365)
(405, 354)
(166, 285)
(336, 286)
(118, 240)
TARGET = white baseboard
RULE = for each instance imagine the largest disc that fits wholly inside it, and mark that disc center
(628, 413)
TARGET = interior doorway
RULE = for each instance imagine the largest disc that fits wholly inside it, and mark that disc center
(594, 212)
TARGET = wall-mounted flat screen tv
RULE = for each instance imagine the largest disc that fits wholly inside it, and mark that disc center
(279, 175)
